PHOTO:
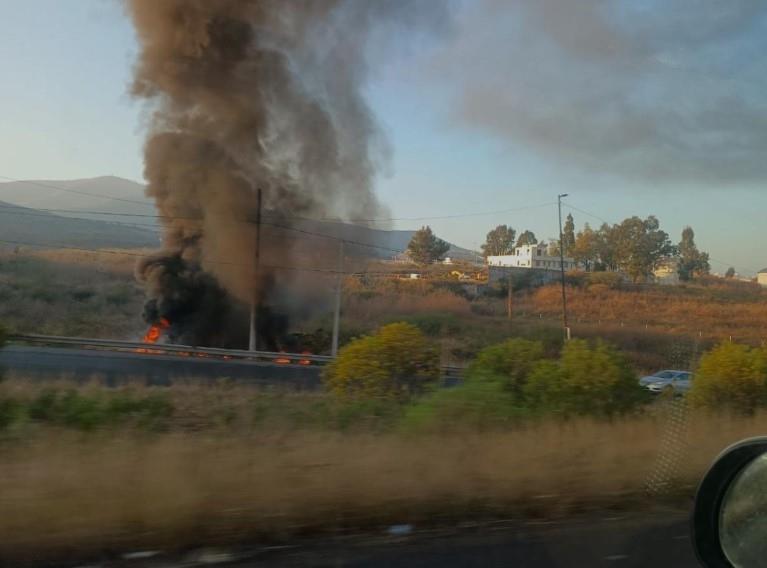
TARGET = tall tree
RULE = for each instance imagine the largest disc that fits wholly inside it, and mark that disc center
(499, 241)
(692, 262)
(425, 247)
(639, 245)
(606, 253)
(527, 238)
(585, 250)
(568, 235)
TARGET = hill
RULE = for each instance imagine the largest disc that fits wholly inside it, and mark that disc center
(30, 226)
(120, 200)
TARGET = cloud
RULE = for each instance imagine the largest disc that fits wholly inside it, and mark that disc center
(663, 91)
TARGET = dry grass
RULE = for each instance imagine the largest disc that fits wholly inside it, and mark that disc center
(103, 260)
(64, 292)
(117, 490)
(706, 312)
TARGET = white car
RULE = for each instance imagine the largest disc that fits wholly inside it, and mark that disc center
(678, 381)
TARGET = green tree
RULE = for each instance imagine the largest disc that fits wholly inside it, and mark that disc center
(396, 363)
(692, 262)
(731, 376)
(585, 250)
(730, 273)
(425, 247)
(499, 241)
(568, 235)
(588, 380)
(639, 245)
(527, 238)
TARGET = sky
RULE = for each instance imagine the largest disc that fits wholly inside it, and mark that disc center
(633, 107)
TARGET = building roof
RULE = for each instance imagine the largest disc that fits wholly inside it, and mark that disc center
(763, 271)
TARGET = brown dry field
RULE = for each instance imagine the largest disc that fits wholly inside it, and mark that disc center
(125, 489)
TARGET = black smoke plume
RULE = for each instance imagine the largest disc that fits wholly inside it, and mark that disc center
(247, 94)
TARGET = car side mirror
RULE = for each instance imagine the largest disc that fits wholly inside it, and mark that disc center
(729, 521)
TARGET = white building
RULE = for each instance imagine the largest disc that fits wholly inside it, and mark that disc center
(531, 256)
(761, 277)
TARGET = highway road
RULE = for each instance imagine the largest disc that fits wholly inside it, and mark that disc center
(154, 369)
(658, 539)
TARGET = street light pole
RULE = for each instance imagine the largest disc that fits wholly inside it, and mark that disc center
(566, 328)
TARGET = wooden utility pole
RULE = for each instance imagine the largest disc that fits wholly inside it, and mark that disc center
(337, 312)
(253, 339)
(565, 326)
(509, 296)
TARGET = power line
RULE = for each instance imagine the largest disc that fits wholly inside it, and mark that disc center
(143, 255)
(32, 213)
(322, 219)
(207, 261)
(76, 191)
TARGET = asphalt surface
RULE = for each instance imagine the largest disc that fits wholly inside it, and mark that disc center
(116, 367)
(659, 539)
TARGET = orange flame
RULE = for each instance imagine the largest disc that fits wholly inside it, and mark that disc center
(155, 331)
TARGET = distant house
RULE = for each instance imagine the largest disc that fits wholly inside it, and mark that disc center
(533, 257)
(667, 272)
(761, 277)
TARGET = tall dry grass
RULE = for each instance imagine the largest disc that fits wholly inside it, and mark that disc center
(65, 492)
(701, 312)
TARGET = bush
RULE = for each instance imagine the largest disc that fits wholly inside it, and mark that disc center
(475, 405)
(588, 380)
(731, 376)
(513, 381)
(509, 363)
(611, 280)
(396, 363)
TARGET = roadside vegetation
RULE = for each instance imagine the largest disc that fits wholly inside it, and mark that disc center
(535, 430)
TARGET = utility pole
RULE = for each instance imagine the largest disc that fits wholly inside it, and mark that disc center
(253, 340)
(566, 328)
(509, 297)
(337, 313)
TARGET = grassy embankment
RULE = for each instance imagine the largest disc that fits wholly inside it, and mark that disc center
(66, 292)
(87, 469)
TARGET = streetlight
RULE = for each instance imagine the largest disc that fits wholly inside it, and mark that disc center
(566, 328)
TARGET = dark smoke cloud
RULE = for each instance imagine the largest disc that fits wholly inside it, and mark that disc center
(666, 91)
(249, 94)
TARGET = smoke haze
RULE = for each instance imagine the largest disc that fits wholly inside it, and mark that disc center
(248, 94)
(658, 91)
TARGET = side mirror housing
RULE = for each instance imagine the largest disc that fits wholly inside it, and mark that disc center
(729, 521)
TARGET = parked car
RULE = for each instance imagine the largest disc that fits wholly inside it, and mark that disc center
(678, 381)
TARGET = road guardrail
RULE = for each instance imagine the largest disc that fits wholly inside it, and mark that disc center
(160, 348)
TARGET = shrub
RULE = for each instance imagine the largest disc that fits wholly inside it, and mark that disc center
(509, 363)
(475, 405)
(588, 380)
(396, 363)
(731, 376)
(611, 280)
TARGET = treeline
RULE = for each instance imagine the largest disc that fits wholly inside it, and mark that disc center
(634, 246)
